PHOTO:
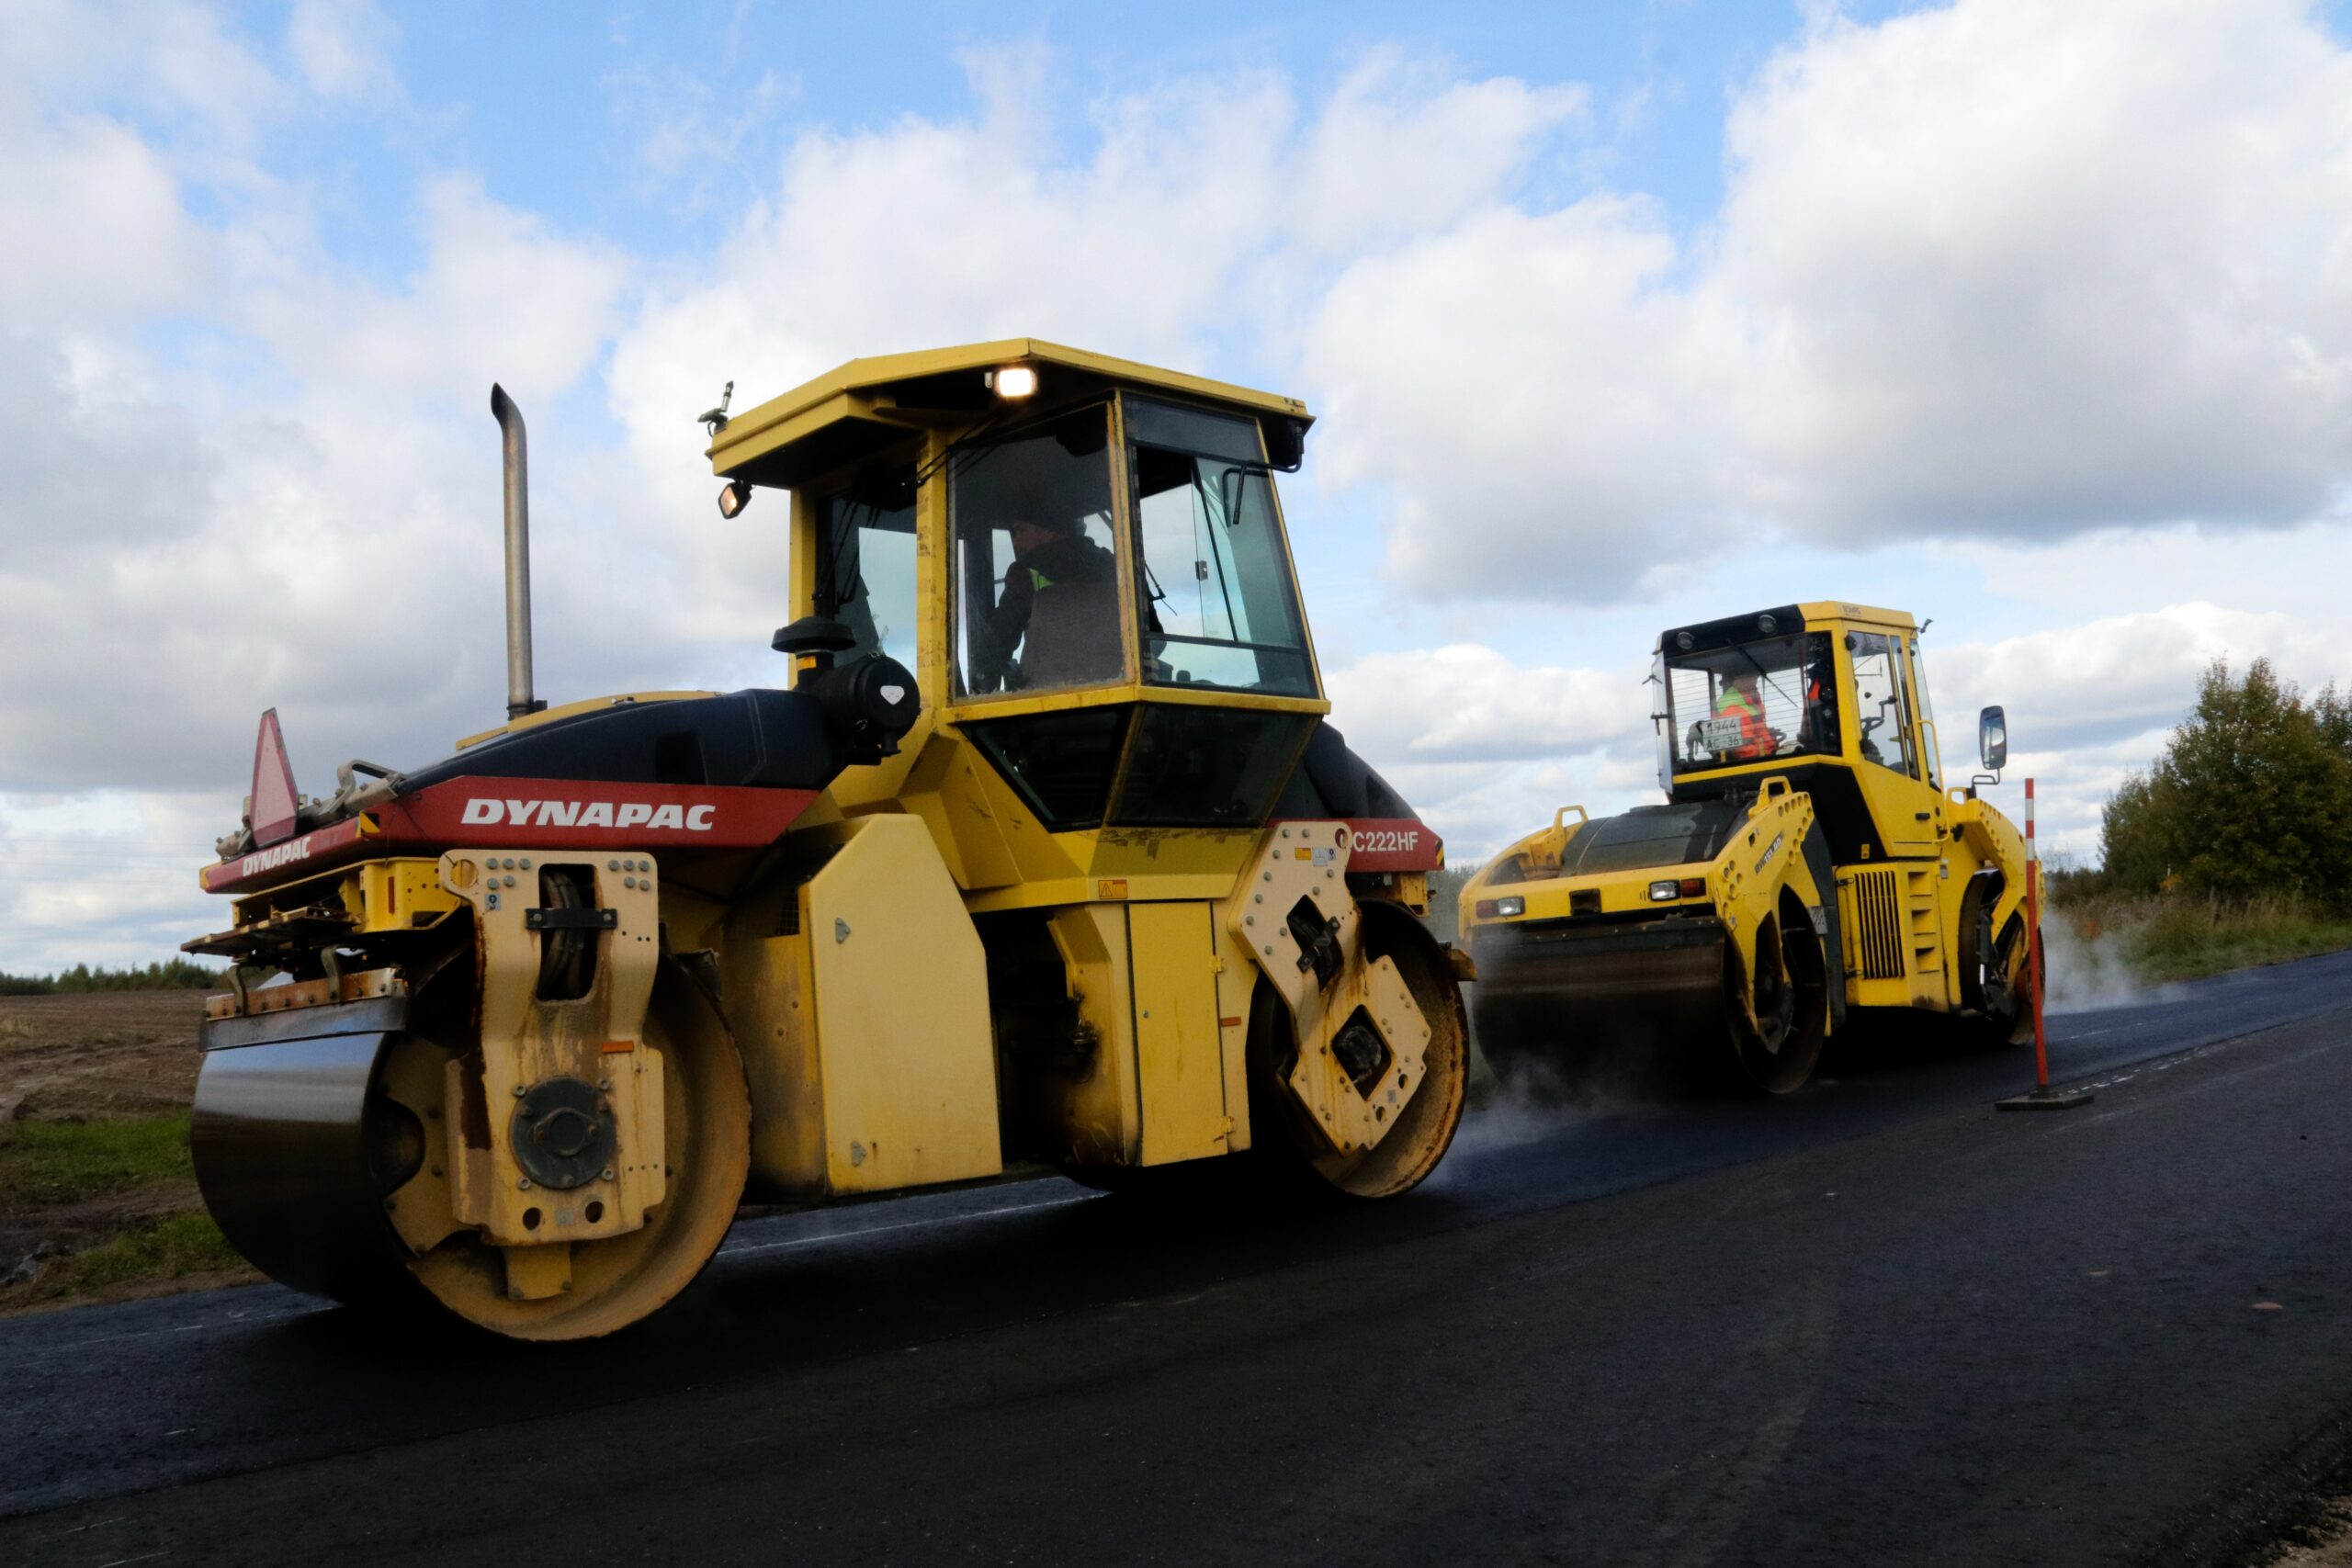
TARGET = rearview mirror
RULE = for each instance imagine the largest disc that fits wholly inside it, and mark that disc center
(1992, 738)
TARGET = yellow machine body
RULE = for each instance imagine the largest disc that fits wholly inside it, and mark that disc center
(1809, 861)
(1078, 905)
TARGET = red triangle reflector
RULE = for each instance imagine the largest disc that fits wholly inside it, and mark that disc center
(271, 811)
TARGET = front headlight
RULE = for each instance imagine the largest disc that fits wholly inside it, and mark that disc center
(1501, 908)
(1660, 892)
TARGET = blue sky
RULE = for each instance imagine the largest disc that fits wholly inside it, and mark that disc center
(2032, 319)
(552, 133)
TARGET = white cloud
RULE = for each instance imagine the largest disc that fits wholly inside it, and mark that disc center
(92, 227)
(2121, 677)
(1512, 383)
(1997, 268)
(1402, 149)
(2017, 268)
(1468, 703)
(343, 49)
(100, 879)
(501, 296)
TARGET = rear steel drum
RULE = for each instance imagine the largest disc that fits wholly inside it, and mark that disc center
(295, 1154)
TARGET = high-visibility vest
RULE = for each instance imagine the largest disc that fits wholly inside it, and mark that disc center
(1755, 736)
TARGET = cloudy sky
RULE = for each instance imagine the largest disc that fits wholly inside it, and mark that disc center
(2036, 318)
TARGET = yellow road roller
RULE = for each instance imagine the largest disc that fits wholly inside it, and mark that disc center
(1044, 857)
(1808, 861)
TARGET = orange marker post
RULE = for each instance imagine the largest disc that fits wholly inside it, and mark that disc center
(2043, 1098)
(2033, 958)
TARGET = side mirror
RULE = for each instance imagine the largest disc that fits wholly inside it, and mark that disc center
(1992, 738)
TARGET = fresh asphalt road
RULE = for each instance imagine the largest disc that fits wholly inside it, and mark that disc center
(1874, 1323)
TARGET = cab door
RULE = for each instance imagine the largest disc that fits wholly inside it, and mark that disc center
(1895, 776)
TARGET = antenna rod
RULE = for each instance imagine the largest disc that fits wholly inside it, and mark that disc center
(519, 700)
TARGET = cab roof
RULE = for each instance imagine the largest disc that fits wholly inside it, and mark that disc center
(859, 407)
(1783, 620)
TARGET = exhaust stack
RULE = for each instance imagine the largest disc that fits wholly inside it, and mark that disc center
(519, 700)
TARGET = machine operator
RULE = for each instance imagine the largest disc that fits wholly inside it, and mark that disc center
(1741, 700)
(1049, 554)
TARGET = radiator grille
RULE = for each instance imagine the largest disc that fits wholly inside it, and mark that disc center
(1878, 903)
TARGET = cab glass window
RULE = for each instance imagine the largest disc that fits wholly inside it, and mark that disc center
(866, 568)
(1749, 702)
(1206, 767)
(1880, 711)
(1219, 608)
(1930, 743)
(1060, 763)
(1036, 558)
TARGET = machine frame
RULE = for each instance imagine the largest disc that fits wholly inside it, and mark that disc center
(1914, 893)
(617, 963)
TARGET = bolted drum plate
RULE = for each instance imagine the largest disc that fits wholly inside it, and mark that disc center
(563, 1133)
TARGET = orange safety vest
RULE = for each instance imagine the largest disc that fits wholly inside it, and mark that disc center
(1756, 735)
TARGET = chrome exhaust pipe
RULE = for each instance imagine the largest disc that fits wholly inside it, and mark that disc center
(519, 700)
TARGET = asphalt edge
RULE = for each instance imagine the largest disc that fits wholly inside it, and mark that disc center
(2275, 1505)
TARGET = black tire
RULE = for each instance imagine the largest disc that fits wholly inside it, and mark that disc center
(1792, 1003)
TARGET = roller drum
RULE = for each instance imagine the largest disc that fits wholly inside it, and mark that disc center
(1594, 1008)
(294, 1152)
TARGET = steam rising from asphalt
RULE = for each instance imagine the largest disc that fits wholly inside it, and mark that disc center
(1532, 1100)
(2088, 973)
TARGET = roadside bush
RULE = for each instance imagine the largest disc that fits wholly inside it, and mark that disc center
(2129, 940)
(1445, 900)
(2252, 798)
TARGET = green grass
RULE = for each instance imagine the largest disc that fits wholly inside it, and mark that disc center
(2188, 938)
(152, 1252)
(44, 1164)
(2183, 936)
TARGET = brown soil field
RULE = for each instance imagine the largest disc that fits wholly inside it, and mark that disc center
(112, 1054)
(74, 1067)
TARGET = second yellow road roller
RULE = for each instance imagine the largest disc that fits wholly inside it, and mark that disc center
(1809, 862)
(1044, 857)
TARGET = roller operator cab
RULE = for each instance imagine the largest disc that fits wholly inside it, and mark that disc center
(1046, 857)
(1809, 860)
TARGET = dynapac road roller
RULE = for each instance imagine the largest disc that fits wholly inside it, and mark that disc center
(1808, 861)
(1044, 857)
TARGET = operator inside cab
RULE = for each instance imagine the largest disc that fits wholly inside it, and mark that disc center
(1049, 554)
(1750, 701)
(1037, 559)
(1740, 703)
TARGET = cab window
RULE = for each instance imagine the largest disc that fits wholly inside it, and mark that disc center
(1036, 558)
(1881, 713)
(1219, 608)
(1750, 702)
(866, 568)
(1930, 743)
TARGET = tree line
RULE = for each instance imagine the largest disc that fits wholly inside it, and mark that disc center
(2251, 799)
(172, 975)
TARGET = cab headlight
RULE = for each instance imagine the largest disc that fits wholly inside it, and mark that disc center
(1660, 892)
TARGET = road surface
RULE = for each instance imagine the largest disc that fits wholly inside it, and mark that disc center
(1875, 1322)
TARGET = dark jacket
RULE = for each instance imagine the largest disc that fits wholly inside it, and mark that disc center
(1064, 558)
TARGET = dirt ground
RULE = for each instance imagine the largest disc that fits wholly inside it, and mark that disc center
(116, 1054)
(2331, 1543)
(90, 1059)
